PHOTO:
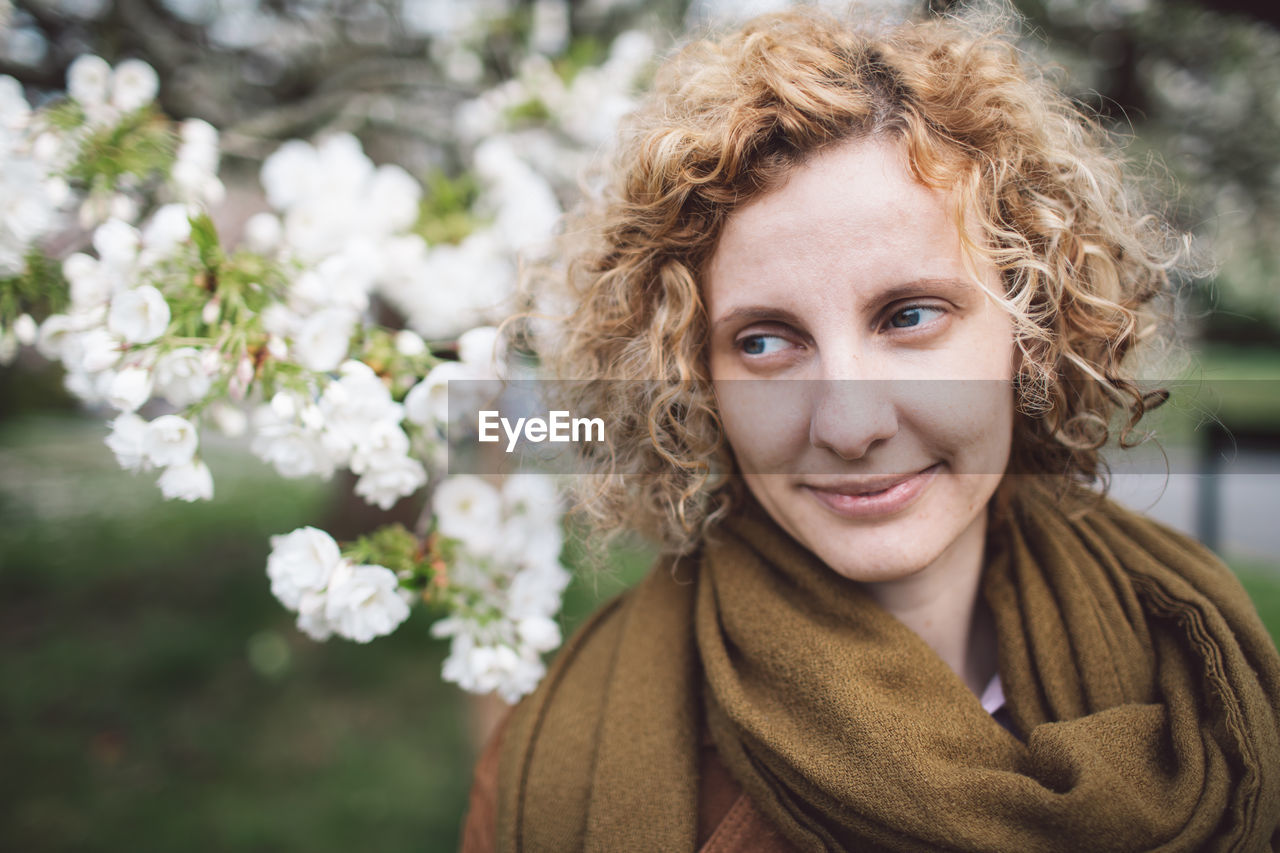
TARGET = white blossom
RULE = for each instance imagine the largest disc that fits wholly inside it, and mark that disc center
(467, 508)
(170, 440)
(284, 439)
(14, 110)
(418, 408)
(130, 388)
(94, 210)
(89, 80)
(140, 315)
(344, 165)
(536, 591)
(525, 206)
(279, 320)
(345, 277)
(352, 404)
(30, 195)
(181, 378)
(201, 140)
(133, 85)
(93, 350)
(311, 618)
(169, 226)
(288, 172)
(427, 403)
(533, 497)
(190, 481)
(363, 602)
(117, 243)
(443, 311)
(277, 348)
(483, 349)
(85, 386)
(128, 441)
(539, 633)
(391, 480)
(538, 543)
(382, 445)
(124, 207)
(409, 343)
(91, 284)
(324, 339)
(262, 232)
(301, 562)
(194, 174)
(26, 330)
(211, 311)
(393, 196)
(489, 668)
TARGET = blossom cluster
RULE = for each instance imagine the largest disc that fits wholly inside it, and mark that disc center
(330, 594)
(507, 577)
(33, 193)
(501, 584)
(353, 422)
(278, 338)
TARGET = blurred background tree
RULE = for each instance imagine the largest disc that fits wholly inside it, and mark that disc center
(152, 693)
(1196, 83)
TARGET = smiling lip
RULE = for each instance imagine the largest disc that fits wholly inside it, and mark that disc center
(871, 497)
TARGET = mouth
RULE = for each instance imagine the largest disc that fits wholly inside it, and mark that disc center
(866, 497)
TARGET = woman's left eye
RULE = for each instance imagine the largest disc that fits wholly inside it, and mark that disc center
(915, 315)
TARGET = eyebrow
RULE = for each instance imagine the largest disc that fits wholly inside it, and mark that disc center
(755, 314)
(946, 285)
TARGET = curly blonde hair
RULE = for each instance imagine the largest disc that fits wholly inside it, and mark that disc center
(1040, 181)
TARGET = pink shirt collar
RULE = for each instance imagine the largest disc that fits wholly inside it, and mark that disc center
(993, 697)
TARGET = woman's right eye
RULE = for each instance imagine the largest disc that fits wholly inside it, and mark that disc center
(761, 344)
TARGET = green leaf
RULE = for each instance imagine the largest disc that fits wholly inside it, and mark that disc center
(445, 214)
(64, 115)
(141, 145)
(205, 235)
(40, 289)
(393, 546)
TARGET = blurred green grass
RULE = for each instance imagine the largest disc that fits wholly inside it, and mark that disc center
(134, 717)
(155, 696)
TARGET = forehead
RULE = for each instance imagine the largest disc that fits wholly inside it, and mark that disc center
(851, 214)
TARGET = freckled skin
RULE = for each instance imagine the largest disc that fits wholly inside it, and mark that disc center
(849, 272)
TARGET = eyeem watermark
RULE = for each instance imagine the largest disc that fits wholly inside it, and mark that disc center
(573, 427)
(557, 427)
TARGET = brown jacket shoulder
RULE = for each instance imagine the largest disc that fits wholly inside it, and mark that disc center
(728, 821)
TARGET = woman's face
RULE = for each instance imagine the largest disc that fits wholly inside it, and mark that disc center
(879, 415)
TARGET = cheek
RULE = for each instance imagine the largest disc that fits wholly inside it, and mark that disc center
(968, 422)
(974, 415)
(765, 422)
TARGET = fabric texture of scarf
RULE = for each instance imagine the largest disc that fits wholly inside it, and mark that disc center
(1136, 670)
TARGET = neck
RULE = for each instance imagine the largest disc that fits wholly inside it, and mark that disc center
(940, 603)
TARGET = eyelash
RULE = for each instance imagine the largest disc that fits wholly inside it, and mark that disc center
(935, 308)
(742, 342)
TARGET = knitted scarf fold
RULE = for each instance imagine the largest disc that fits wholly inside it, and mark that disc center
(1136, 670)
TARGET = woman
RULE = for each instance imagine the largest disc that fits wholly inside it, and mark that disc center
(884, 289)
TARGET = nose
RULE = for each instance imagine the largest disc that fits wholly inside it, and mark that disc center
(850, 416)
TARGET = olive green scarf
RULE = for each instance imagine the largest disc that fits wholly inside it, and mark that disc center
(1134, 665)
